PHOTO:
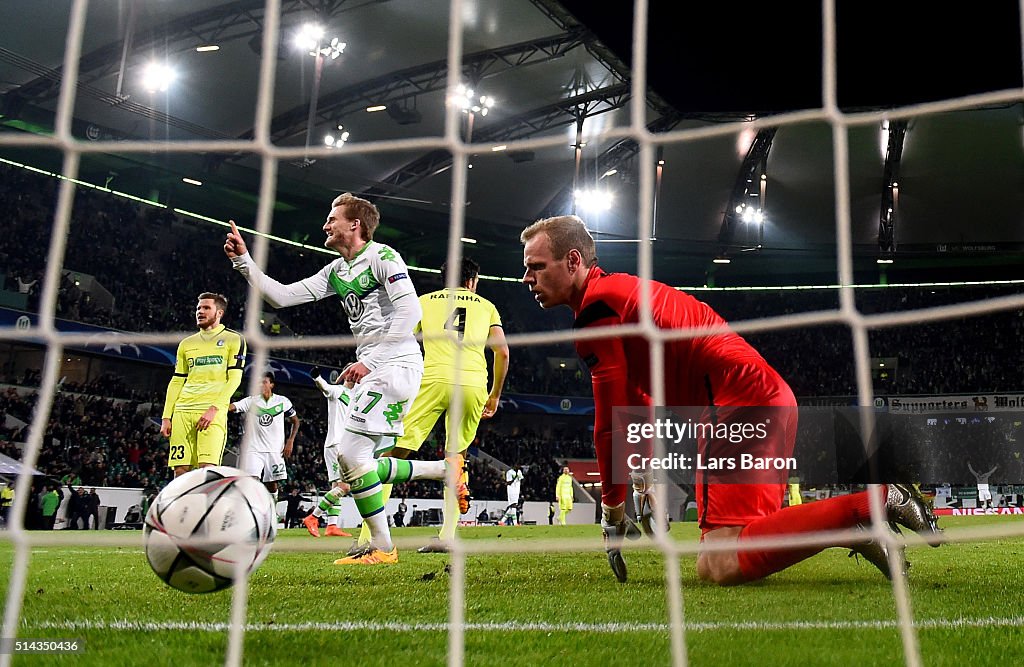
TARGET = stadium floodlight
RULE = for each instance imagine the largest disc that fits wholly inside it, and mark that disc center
(721, 260)
(593, 200)
(336, 141)
(207, 47)
(469, 102)
(308, 38)
(334, 49)
(157, 77)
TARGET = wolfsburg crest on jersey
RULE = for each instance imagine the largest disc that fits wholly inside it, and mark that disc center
(367, 293)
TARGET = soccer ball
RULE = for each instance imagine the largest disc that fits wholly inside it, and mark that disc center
(203, 523)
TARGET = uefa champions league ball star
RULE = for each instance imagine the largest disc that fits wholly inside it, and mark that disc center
(206, 523)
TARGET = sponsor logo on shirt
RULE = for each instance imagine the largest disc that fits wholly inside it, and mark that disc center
(209, 360)
(396, 277)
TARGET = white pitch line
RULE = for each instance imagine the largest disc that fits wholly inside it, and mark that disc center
(513, 626)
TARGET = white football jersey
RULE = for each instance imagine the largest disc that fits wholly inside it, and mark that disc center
(514, 478)
(268, 434)
(338, 398)
(368, 286)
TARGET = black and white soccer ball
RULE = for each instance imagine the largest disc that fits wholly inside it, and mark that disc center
(204, 523)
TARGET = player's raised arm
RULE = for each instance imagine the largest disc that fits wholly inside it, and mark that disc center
(234, 244)
(276, 294)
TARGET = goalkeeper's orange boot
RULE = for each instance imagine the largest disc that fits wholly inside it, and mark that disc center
(905, 505)
(312, 524)
(371, 557)
(334, 531)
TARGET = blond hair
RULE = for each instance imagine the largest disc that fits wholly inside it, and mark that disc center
(357, 208)
(565, 233)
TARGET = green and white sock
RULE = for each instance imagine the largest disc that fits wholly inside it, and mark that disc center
(366, 491)
(397, 471)
(366, 533)
(333, 515)
(330, 499)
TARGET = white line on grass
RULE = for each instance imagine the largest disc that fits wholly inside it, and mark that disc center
(513, 626)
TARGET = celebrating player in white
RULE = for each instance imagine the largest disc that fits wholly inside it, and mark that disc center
(267, 447)
(338, 396)
(513, 480)
(382, 306)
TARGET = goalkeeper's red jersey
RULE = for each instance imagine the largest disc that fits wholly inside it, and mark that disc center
(698, 371)
(714, 369)
(719, 369)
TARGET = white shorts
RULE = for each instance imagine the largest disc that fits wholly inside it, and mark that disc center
(265, 466)
(332, 452)
(332, 463)
(513, 498)
(984, 493)
(381, 401)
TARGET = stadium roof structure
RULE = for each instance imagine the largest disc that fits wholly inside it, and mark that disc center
(10, 467)
(743, 82)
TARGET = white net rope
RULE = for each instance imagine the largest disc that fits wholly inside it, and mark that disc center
(848, 315)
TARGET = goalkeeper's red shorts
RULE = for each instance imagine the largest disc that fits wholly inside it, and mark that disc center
(736, 497)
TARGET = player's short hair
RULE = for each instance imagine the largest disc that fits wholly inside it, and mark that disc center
(468, 270)
(357, 208)
(220, 300)
(565, 232)
(270, 376)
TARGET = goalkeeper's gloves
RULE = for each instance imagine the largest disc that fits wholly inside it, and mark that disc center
(314, 372)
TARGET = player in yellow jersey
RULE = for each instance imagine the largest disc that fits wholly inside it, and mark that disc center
(451, 317)
(207, 372)
(564, 494)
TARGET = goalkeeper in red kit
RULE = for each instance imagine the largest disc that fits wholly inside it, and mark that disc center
(723, 375)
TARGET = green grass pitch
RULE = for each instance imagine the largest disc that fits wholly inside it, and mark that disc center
(561, 608)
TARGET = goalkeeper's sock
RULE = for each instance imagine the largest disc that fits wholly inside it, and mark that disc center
(331, 498)
(450, 514)
(370, 503)
(821, 515)
(396, 471)
(561, 516)
(366, 533)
